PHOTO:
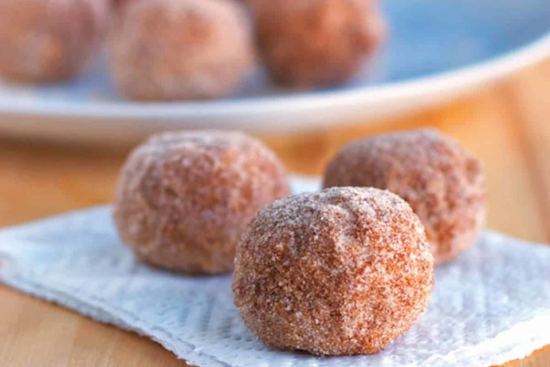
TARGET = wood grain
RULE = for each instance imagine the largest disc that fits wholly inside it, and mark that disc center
(505, 125)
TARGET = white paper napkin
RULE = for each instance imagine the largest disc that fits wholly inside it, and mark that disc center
(491, 306)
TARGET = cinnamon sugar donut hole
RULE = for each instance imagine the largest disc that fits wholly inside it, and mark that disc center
(49, 40)
(341, 272)
(165, 50)
(317, 43)
(443, 183)
(184, 199)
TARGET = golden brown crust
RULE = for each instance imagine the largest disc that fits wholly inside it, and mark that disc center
(181, 49)
(49, 40)
(183, 199)
(442, 182)
(313, 43)
(344, 271)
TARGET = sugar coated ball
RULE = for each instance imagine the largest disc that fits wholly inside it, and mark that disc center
(316, 43)
(443, 183)
(184, 199)
(341, 272)
(49, 40)
(181, 49)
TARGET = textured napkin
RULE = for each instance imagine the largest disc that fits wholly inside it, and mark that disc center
(491, 306)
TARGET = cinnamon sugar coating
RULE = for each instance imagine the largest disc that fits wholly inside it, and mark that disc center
(443, 183)
(341, 272)
(184, 199)
(181, 49)
(121, 5)
(315, 43)
(49, 40)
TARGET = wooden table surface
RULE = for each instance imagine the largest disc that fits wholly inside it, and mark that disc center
(506, 125)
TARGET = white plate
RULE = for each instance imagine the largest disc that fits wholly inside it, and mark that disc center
(437, 49)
